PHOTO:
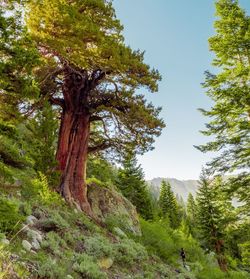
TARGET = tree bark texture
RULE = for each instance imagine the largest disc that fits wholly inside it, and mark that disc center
(73, 141)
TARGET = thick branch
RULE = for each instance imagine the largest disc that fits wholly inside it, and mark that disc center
(57, 101)
(102, 146)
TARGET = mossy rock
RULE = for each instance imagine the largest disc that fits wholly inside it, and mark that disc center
(107, 203)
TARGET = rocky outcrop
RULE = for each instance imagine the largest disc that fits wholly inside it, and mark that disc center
(110, 205)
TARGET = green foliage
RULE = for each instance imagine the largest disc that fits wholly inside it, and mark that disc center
(39, 190)
(102, 170)
(98, 246)
(10, 218)
(245, 253)
(130, 180)
(229, 123)
(87, 267)
(17, 83)
(129, 252)
(168, 205)
(41, 135)
(214, 212)
(51, 267)
(54, 243)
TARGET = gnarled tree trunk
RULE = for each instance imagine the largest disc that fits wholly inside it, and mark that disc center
(73, 141)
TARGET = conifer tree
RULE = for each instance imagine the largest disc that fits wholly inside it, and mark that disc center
(42, 138)
(130, 180)
(92, 75)
(229, 90)
(191, 207)
(168, 204)
(19, 57)
(211, 217)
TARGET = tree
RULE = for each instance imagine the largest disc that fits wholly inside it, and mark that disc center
(130, 180)
(213, 216)
(168, 204)
(93, 76)
(191, 207)
(191, 214)
(229, 89)
(41, 136)
(19, 57)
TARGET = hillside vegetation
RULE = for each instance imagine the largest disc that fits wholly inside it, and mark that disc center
(71, 113)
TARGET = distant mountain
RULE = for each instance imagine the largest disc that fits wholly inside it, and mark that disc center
(180, 187)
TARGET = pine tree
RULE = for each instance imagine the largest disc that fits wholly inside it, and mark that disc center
(130, 180)
(191, 207)
(229, 90)
(92, 75)
(211, 217)
(42, 137)
(168, 204)
(19, 57)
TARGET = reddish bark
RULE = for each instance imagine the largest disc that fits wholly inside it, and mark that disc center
(220, 256)
(73, 142)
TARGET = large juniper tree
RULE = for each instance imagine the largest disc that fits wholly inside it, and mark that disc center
(93, 76)
(229, 89)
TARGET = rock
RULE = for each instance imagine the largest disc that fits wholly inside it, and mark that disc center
(5, 241)
(35, 244)
(119, 232)
(107, 204)
(34, 235)
(105, 263)
(31, 220)
(26, 245)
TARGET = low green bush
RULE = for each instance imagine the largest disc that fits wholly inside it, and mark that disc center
(10, 218)
(98, 246)
(87, 267)
(128, 252)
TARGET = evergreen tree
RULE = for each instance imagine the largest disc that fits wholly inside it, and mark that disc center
(130, 181)
(19, 57)
(191, 207)
(42, 137)
(191, 220)
(93, 76)
(168, 204)
(211, 217)
(229, 90)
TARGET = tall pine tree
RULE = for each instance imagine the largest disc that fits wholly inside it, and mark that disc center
(168, 205)
(131, 182)
(229, 90)
(213, 217)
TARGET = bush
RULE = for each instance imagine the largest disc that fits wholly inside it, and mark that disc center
(39, 190)
(86, 266)
(54, 243)
(98, 246)
(52, 268)
(10, 218)
(128, 252)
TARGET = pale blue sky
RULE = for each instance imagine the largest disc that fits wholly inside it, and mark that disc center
(174, 35)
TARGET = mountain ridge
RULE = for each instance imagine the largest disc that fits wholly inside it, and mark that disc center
(181, 188)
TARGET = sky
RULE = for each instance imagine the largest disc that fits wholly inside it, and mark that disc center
(174, 36)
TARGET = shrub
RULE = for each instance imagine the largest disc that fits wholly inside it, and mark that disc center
(52, 268)
(98, 246)
(128, 252)
(55, 244)
(86, 266)
(10, 218)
